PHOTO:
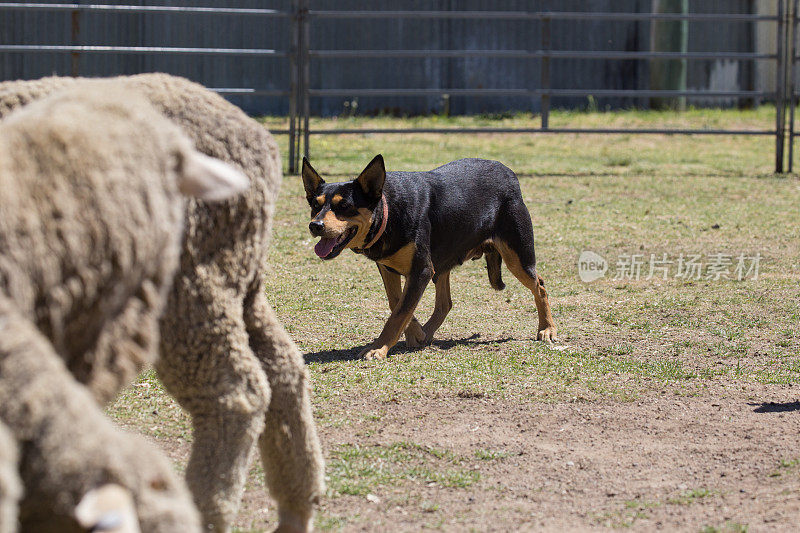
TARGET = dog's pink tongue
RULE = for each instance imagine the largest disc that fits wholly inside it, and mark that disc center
(324, 247)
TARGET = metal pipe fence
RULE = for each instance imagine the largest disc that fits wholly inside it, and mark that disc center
(300, 89)
(793, 71)
(77, 10)
(546, 55)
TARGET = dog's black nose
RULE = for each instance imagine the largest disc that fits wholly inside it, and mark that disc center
(316, 227)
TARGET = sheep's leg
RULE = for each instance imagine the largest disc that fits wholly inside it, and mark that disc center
(10, 486)
(68, 447)
(218, 466)
(290, 449)
(212, 372)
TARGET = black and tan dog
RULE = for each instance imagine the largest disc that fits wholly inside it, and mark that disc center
(420, 225)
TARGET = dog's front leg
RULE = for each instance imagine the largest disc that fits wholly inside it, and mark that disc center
(419, 277)
(415, 336)
(441, 308)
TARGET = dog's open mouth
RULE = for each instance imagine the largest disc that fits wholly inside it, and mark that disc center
(329, 247)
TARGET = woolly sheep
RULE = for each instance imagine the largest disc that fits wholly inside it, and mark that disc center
(90, 231)
(10, 488)
(222, 348)
(69, 447)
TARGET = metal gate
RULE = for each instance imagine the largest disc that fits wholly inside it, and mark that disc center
(302, 19)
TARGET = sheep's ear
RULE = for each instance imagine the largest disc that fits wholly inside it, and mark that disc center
(311, 180)
(208, 178)
(372, 177)
(108, 508)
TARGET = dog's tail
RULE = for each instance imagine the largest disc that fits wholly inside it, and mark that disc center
(493, 262)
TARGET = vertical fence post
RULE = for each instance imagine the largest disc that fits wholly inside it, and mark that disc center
(780, 85)
(293, 88)
(545, 66)
(669, 36)
(792, 77)
(75, 35)
(304, 59)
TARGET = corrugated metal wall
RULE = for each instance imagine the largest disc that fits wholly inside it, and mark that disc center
(273, 73)
(185, 30)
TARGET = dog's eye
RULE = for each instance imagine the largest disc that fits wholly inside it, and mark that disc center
(344, 206)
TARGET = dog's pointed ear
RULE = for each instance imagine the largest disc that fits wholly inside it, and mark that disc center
(372, 177)
(311, 180)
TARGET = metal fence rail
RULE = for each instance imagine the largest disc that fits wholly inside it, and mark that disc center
(300, 90)
(31, 6)
(77, 10)
(545, 55)
(141, 50)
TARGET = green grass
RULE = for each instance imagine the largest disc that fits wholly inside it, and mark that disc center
(727, 527)
(490, 455)
(785, 466)
(641, 504)
(536, 372)
(677, 195)
(360, 470)
(147, 405)
(641, 508)
(689, 497)
(545, 154)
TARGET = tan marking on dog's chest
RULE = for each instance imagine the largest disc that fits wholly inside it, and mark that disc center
(400, 261)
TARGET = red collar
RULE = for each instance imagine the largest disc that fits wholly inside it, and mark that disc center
(383, 222)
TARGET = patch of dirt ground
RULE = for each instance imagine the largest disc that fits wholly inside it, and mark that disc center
(726, 460)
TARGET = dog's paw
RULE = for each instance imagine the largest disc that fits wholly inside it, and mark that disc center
(373, 354)
(415, 336)
(547, 334)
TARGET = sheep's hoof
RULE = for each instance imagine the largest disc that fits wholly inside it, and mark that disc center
(290, 528)
(373, 354)
(291, 523)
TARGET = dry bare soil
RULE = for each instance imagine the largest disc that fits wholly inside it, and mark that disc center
(671, 403)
